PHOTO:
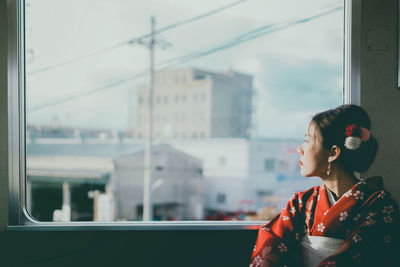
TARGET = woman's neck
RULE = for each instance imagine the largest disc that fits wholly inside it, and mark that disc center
(339, 182)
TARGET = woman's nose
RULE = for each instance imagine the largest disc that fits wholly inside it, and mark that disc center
(300, 150)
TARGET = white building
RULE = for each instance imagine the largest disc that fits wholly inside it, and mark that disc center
(177, 185)
(246, 175)
(196, 104)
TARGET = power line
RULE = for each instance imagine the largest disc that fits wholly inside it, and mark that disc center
(259, 32)
(99, 89)
(199, 17)
(137, 39)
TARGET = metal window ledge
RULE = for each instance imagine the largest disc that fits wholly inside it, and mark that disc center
(138, 226)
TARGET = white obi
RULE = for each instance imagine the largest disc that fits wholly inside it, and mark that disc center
(316, 248)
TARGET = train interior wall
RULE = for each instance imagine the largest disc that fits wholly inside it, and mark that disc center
(379, 95)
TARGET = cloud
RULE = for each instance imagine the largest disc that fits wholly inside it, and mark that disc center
(299, 84)
(292, 91)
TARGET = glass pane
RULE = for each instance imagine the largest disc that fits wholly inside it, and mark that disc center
(174, 110)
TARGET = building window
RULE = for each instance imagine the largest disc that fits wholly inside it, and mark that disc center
(284, 165)
(221, 198)
(269, 165)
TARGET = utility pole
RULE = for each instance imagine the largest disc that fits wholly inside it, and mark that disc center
(147, 201)
(147, 178)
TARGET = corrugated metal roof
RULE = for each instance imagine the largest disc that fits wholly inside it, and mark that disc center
(70, 176)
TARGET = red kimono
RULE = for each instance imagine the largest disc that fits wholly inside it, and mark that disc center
(365, 217)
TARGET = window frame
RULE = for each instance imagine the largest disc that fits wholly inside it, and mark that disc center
(19, 217)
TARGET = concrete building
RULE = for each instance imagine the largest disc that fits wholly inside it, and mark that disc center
(190, 103)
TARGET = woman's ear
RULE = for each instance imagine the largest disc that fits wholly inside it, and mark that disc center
(334, 153)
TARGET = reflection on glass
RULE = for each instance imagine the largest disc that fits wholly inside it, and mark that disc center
(231, 89)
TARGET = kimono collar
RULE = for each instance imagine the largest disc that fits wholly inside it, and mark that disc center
(332, 201)
(372, 183)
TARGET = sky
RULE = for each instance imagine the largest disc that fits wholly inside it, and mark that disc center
(297, 70)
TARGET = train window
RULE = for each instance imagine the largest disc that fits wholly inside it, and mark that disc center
(103, 143)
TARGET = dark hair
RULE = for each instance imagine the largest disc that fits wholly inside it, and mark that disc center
(332, 127)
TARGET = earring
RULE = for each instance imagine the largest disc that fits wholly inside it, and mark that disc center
(328, 172)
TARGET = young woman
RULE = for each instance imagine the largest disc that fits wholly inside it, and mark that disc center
(343, 222)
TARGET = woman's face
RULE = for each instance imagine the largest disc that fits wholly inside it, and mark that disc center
(313, 157)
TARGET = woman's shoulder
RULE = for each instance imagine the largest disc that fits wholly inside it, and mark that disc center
(376, 187)
(380, 198)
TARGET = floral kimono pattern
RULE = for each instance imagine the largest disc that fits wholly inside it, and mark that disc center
(365, 217)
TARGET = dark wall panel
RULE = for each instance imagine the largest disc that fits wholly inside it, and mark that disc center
(127, 248)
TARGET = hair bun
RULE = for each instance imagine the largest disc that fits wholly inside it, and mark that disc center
(347, 126)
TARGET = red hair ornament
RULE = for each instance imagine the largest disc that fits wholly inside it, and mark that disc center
(354, 142)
